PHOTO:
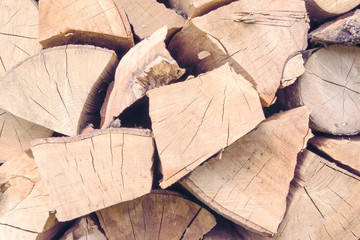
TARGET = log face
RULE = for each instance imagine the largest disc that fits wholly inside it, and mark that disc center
(95, 170)
(186, 122)
(256, 45)
(323, 9)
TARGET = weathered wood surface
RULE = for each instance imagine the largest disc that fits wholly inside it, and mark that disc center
(59, 87)
(329, 87)
(96, 22)
(256, 38)
(146, 66)
(158, 215)
(18, 32)
(95, 170)
(195, 119)
(248, 182)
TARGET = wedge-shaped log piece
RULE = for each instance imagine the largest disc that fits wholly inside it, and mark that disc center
(323, 203)
(342, 30)
(147, 16)
(16, 134)
(58, 87)
(96, 22)
(24, 202)
(344, 150)
(158, 215)
(256, 38)
(293, 69)
(146, 66)
(320, 10)
(193, 120)
(95, 170)
(18, 32)
(330, 88)
(248, 183)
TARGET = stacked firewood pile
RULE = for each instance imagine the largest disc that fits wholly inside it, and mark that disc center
(179, 119)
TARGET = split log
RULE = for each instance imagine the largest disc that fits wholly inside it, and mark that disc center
(147, 16)
(18, 32)
(248, 182)
(323, 203)
(257, 39)
(146, 66)
(343, 150)
(195, 119)
(343, 30)
(25, 211)
(95, 170)
(223, 230)
(59, 87)
(293, 69)
(158, 215)
(329, 87)
(320, 10)
(97, 22)
(195, 8)
(16, 134)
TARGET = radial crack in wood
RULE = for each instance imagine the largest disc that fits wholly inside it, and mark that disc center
(256, 38)
(18, 32)
(96, 22)
(146, 66)
(248, 182)
(95, 170)
(158, 215)
(53, 90)
(195, 119)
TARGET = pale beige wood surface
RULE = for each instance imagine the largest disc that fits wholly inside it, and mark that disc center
(342, 30)
(18, 32)
(323, 203)
(293, 69)
(158, 215)
(330, 88)
(96, 22)
(193, 120)
(344, 150)
(248, 182)
(146, 66)
(319, 10)
(147, 16)
(256, 38)
(58, 87)
(96, 169)
(16, 134)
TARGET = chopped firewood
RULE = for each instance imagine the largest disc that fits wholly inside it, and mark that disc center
(342, 30)
(223, 230)
(293, 69)
(96, 169)
(330, 90)
(158, 215)
(16, 134)
(195, 119)
(18, 32)
(323, 203)
(250, 182)
(256, 38)
(25, 210)
(147, 16)
(146, 66)
(58, 87)
(96, 22)
(343, 150)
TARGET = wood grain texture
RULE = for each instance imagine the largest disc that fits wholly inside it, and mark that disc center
(97, 22)
(193, 120)
(96, 169)
(58, 87)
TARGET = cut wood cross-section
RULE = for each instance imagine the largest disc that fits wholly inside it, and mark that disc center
(146, 66)
(256, 38)
(195, 119)
(248, 183)
(59, 87)
(96, 22)
(95, 170)
(158, 215)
